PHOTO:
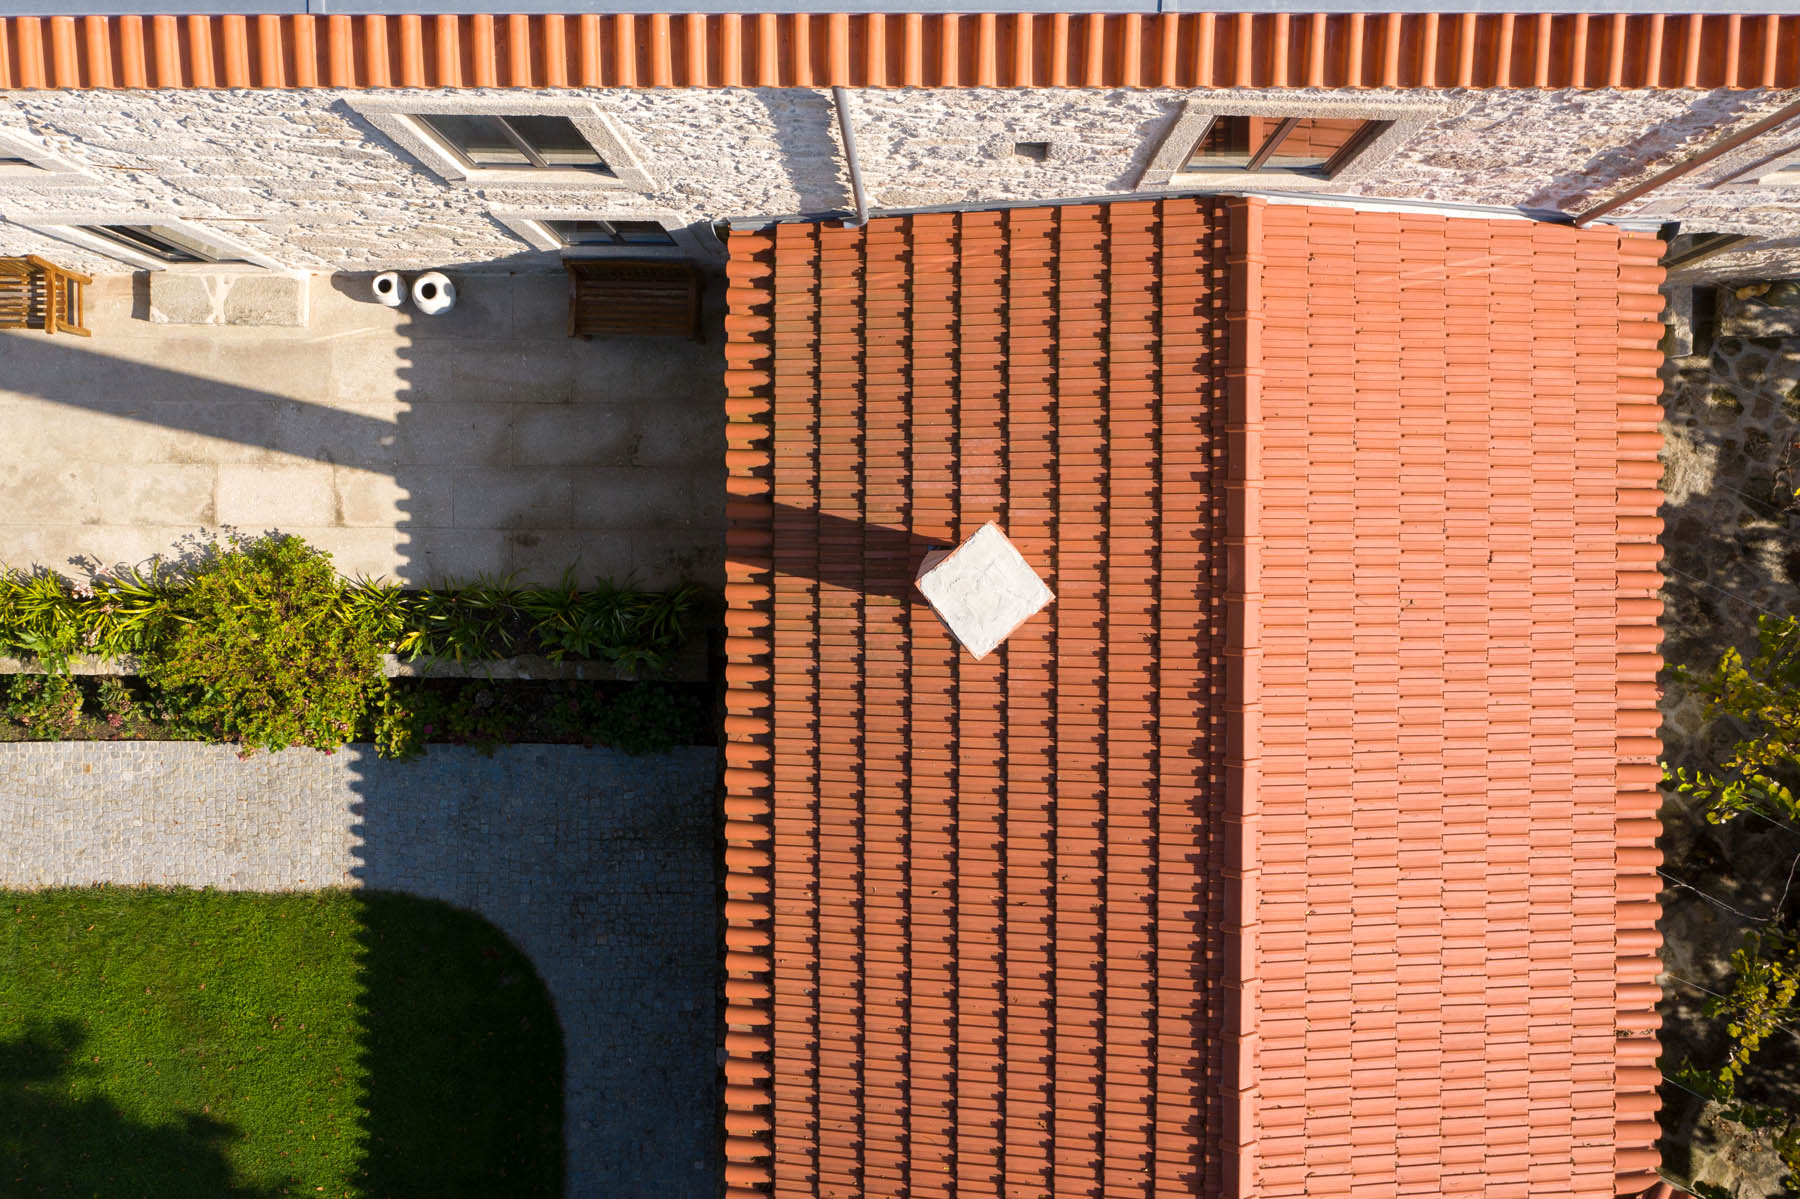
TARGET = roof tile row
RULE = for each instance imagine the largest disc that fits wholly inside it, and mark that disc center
(1179, 50)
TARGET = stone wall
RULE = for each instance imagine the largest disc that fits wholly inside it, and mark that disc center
(302, 178)
(1731, 469)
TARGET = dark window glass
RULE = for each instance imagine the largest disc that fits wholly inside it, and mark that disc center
(482, 141)
(502, 142)
(159, 242)
(558, 142)
(1284, 145)
(610, 233)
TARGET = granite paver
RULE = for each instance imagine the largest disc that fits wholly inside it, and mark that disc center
(598, 865)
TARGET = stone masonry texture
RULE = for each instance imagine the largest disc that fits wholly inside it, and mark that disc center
(598, 865)
(304, 179)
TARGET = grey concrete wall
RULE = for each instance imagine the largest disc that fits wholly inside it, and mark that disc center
(302, 178)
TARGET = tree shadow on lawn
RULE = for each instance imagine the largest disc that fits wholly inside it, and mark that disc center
(55, 1145)
(440, 1032)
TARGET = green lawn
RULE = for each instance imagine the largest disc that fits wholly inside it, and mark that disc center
(202, 1043)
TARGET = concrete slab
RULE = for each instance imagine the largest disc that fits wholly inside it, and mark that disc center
(418, 448)
(265, 298)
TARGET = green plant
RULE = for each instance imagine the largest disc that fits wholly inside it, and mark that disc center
(377, 608)
(1764, 998)
(628, 628)
(474, 621)
(1762, 696)
(260, 655)
(48, 705)
(115, 701)
(1765, 988)
(646, 719)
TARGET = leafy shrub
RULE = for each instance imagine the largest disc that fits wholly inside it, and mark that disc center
(258, 654)
(115, 701)
(48, 705)
(1762, 697)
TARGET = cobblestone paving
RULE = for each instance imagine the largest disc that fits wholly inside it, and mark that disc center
(599, 866)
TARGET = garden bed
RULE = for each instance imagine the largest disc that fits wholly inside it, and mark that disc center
(344, 1043)
(636, 717)
(259, 642)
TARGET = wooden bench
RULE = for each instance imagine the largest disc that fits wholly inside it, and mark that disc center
(614, 298)
(35, 294)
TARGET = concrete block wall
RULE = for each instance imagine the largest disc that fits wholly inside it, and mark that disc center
(304, 180)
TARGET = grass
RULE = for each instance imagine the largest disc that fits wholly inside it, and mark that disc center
(222, 1044)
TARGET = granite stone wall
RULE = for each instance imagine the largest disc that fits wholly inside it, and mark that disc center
(303, 178)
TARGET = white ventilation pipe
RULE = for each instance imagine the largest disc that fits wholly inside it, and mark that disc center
(434, 293)
(389, 289)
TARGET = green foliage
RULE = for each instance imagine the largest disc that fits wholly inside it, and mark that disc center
(231, 1045)
(259, 642)
(44, 615)
(115, 700)
(631, 628)
(1765, 986)
(259, 657)
(48, 705)
(1761, 696)
(646, 719)
(1764, 999)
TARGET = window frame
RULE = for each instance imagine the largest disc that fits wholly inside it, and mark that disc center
(691, 241)
(72, 228)
(398, 117)
(1388, 124)
(154, 241)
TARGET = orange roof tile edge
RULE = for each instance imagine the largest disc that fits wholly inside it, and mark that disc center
(749, 703)
(1178, 50)
(1638, 745)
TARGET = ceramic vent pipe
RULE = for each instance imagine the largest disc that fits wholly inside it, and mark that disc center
(841, 98)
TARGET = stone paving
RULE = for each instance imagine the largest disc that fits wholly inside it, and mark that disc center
(420, 448)
(598, 865)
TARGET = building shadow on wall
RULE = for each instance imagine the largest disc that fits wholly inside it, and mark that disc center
(483, 442)
(806, 138)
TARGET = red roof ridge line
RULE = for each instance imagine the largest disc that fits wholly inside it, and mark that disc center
(1243, 682)
(1638, 745)
(749, 727)
(1164, 50)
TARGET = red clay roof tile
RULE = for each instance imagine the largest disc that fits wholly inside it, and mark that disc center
(1168, 50)
(1291, 851)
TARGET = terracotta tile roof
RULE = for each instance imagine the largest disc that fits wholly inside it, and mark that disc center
(1187, 50)
(1450, 653)
(997, 892)
(1305, 846)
